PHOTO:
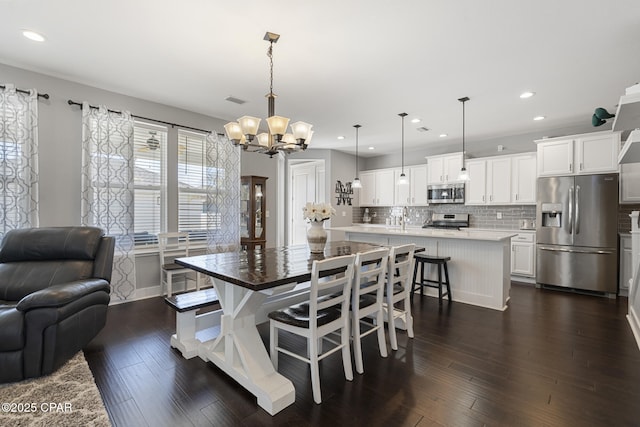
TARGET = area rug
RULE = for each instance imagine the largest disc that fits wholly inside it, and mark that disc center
(67, 397)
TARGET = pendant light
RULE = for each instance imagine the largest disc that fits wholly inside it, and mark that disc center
(356, 181)
(403, 178)
(464, 175)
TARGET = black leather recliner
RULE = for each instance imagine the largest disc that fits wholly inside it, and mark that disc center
(54, 294)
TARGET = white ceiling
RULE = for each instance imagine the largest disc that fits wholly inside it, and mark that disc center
(342, 62)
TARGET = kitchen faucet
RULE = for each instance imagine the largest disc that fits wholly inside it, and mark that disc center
(405, 216)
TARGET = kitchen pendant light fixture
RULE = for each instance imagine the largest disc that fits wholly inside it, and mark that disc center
(244, 132)
(356, 181)
(464, 175)
(403, 178)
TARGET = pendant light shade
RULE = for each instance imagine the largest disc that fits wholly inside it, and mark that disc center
(356, 181)
(464, 175)
(403, 180)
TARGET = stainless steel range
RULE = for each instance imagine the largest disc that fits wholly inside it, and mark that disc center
(442, 220)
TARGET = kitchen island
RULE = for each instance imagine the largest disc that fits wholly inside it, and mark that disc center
(480, 265)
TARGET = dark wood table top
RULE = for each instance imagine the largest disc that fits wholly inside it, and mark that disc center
(260, 269)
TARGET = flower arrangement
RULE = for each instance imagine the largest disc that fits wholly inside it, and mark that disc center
(318, 212)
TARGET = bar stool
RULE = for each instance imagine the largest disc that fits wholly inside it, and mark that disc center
(441, 263)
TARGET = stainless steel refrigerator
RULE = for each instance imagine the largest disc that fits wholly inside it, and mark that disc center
(577, 232)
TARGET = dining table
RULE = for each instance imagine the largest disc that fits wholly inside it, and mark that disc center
(245, 281)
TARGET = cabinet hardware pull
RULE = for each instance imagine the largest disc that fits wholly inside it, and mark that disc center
(570, 167)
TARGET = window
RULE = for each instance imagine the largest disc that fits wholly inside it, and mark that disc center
(186, 175)
(150, 159)
(196, 211)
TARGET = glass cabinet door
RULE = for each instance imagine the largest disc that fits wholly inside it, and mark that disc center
(259, 226)
(253, 211)
(245, 207)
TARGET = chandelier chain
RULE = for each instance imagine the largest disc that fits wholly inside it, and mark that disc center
(270, 55)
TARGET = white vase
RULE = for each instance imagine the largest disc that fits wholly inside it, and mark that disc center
(316, 237)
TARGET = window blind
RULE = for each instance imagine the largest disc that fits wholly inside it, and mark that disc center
(193, 176)
(150, 157)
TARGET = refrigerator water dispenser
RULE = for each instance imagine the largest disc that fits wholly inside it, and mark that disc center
(551, 214)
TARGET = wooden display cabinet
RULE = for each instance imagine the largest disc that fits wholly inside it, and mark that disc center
(253, 190)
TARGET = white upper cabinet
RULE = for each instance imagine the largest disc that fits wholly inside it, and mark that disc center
(475, 190)
(523, 179)
(502, 180)
(499, 180)
(368, 190)
(579, 154)
(444, 169)
(402, 192)
(555, 158)
(630, 183)
(414, 194)
(597, 153)
(377, 188)
(418, 185)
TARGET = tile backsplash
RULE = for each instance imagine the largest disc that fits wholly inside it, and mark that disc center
(624, 222)
(479, 216)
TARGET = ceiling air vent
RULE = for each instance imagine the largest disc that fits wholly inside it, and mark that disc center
(422, 129)
(235, 100)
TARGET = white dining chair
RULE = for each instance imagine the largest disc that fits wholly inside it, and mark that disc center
(326, 311)
(398, 289)
(367, 301)
(172, 246)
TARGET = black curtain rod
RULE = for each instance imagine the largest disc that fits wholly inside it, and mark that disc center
(40, 95)
(72, 102)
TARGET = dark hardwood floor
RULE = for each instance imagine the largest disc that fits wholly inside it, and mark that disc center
(551, 359)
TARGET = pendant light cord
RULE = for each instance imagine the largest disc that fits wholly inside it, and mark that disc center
(403, 115)
(357, 170)
(463, 100)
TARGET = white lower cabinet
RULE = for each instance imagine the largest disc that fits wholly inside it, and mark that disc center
(523, 254)
(626, 264)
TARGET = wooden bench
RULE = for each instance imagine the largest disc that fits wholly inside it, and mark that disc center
(194, 328)
(186, 305)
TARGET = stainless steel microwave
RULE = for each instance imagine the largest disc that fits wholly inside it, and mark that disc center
(445, 193)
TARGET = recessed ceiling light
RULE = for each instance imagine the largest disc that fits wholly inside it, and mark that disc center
(525, 95)
(372, 148)
(538, 118)
(32, 35)
(341, 137)
(416, 120)
(443, 135)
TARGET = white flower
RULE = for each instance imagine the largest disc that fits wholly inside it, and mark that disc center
(317, 211)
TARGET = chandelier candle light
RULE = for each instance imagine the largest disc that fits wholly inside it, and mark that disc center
(244, 132)
(316, 214)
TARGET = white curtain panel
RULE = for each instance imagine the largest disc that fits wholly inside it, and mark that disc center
(223, 194)
(19, 156)
(107, 188)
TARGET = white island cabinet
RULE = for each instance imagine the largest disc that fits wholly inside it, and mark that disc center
(480, 266)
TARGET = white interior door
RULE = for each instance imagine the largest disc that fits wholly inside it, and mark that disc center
(304, 185)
